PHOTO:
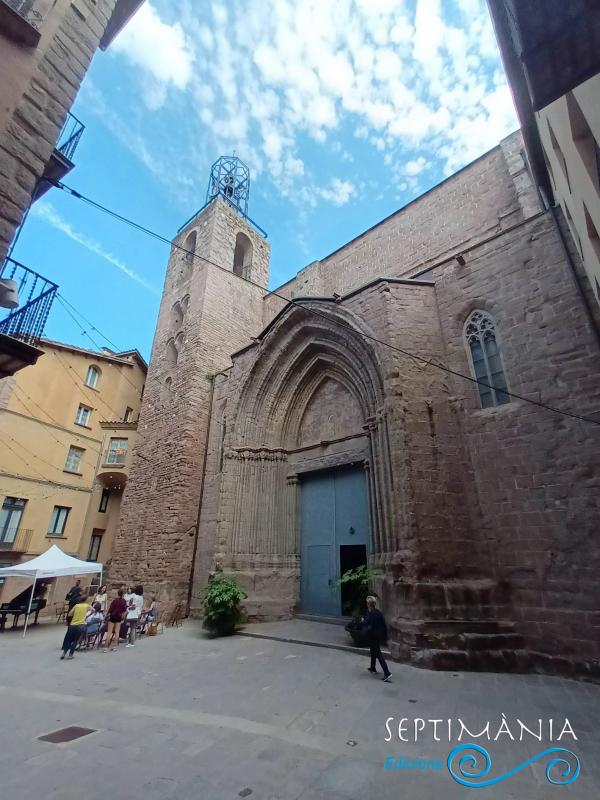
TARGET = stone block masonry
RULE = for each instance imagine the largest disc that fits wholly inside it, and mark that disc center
(483, 520)
(206, 314)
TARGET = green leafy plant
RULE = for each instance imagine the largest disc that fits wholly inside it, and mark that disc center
(358, 579)
(223, 610)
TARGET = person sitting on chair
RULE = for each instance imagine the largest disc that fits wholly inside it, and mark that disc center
(149, 615)
(94, 619)
(93, 622)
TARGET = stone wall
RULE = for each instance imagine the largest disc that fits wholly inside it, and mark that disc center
(39, 87)
(488, 196)
(536, 473)
(481, 517)
(206, 313)
(484, 521)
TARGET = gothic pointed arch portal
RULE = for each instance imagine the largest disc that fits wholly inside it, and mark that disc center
(310, 401)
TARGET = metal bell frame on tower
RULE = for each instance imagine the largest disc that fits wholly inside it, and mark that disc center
(230, 178)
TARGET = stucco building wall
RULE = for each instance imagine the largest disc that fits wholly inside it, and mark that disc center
(38, 425)
(569, 130)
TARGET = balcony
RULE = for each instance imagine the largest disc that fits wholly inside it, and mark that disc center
(113, 478)
(22, 328)
(21, 20)
(61, 160)
(16, 540)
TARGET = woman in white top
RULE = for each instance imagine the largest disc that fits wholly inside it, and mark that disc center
(135, 605)
(101, 598)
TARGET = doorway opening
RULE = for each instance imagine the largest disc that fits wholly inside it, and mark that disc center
(351, 557)
(334, 538)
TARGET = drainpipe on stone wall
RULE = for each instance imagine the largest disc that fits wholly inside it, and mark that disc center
(583, 294)
(202, 479)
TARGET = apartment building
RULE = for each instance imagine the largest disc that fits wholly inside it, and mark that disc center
(551, 53)
(67, 428)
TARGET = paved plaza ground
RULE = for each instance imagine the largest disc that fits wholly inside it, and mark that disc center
(182, 716)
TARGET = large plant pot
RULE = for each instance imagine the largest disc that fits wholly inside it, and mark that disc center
(358, 634)
(227, 629)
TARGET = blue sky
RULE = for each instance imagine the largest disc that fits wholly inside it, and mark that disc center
(345, 110)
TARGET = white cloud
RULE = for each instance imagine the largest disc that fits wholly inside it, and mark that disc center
(338, 192)
(161, 50)
(48, 213)
(415, 166)
(263, 77)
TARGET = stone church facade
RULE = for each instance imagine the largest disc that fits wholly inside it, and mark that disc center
(288, 435)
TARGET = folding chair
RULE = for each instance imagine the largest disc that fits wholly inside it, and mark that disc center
(60, 609)
(175, 618)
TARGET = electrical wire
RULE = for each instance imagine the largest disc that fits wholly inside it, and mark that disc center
(69, 433)
(218, 422)
(37, 457)
(300, 304)
(64, 301)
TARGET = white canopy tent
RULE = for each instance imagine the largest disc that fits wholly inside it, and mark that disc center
(51, 564)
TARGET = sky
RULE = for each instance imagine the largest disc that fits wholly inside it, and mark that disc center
(344, 111)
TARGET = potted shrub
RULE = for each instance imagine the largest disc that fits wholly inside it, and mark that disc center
(223, 611)
(358, 580)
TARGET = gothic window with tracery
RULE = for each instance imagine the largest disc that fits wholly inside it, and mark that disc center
(486, 360)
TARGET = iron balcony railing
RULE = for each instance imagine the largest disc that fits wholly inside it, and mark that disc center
(16, 540)
(69, 137)
(36, 295)
(27, 11)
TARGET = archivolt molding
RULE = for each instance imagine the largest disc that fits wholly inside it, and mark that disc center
(297, 353)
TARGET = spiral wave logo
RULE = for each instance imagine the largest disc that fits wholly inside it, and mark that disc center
(463, 766)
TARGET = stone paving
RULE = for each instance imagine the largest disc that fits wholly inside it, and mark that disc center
(182, 716)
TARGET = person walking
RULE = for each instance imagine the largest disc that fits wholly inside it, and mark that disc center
(136, 604)
(376, 629)
(76, 626)
(102, 598)
(117, 611)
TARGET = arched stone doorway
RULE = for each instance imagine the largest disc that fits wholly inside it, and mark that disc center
(306, 410)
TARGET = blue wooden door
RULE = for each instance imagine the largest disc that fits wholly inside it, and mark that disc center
(334, 513)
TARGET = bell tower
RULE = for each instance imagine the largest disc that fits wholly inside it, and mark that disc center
(211, 306)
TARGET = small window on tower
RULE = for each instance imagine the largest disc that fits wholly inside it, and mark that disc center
(190, 247)
(242, 256)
